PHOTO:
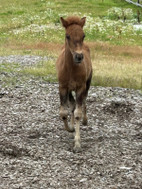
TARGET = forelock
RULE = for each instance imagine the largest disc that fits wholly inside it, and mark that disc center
(73, 20)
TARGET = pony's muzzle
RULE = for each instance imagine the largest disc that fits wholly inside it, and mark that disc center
(78, 58)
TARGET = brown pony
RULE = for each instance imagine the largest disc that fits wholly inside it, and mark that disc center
(74, 71)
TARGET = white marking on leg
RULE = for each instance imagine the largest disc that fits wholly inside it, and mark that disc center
(78, 115)
(77, 135)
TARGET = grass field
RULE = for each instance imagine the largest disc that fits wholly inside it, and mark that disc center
(33, 27)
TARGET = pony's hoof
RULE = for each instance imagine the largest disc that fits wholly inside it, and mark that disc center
(71, 130)
(77, 149)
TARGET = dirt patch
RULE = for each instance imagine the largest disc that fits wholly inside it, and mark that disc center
(36, 152)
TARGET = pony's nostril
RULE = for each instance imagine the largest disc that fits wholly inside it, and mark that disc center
(79, 57)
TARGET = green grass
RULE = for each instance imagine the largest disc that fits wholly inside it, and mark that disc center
(8, 67)
(106, 72)
(112, 66)
(46, 70)
(117, 74)
(18, 16)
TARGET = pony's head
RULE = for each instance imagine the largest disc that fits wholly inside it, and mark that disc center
(75, 36)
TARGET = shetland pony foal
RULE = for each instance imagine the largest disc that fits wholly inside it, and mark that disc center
(74, 71)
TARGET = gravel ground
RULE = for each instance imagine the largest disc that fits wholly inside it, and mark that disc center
(36, 152)
(26, 60)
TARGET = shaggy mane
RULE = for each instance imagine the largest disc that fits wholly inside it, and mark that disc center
(73, 20)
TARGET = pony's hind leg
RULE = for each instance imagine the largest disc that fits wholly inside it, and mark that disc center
(63, 108)
(72, 107)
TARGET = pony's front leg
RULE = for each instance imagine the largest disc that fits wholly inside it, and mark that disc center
(63, 108)
(72, 107)
(84, 122)
(78, 115)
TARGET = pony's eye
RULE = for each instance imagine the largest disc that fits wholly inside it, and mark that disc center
(67, 36)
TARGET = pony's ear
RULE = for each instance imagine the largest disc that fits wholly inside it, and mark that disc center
(64, 22)
(82, 21)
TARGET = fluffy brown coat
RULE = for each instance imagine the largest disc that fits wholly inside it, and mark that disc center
(74, 70)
